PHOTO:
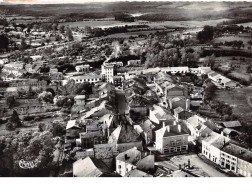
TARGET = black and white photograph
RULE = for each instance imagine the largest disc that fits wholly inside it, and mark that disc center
(125, 89)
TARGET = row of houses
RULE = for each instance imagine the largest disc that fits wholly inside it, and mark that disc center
(172, 70)
(218, 147)
(220, 150)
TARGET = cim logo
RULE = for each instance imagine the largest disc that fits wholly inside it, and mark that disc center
(28, 164)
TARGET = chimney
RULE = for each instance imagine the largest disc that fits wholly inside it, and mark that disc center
(168, 128)
(174, 122)
(187, 104)
(179, 128)
(163, 124)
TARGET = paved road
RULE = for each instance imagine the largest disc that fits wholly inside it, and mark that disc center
(200, 167)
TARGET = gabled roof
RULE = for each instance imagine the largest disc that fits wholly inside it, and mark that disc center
(162, 114)
(213, 74)
(238, 151)
(176, 99)
(79, 97)
(230, 124)
(131, 156)
(211, 125)
(90, 167)
(203, 129)
(113, 138)
(178, 110)
(193, 121)
(216, 140)
(72, 123)
(147, 126)
(137, 173)
(227, 131)
(170, 130)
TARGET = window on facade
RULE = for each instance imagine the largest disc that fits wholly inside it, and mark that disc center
(173, 143)
(126, 169)
(183, 148)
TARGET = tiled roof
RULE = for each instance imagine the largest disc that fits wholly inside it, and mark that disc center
(230, 124)
(216, 140)
(238, 151)
(137, 173)
(178, 110)
(90, 167)
(131, 156)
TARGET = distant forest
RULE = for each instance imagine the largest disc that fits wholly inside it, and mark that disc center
(151, 11)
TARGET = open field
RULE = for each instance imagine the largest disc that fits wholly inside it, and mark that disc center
(246, 24)
(240, 37)
(238, 99)
(171, 24)
(238, 66)
(128, 34)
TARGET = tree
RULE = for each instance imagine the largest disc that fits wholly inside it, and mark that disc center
(83, 89)
(4, 40)
(10, 101)
(54, 27)
(32, 147)
(69, 34)
(57, 129)
(46, 97)
(61, 28)
(35, 27)
(14, 121)
(210, 61)
(23, 45)
(209, 92)
(206, 34)
(42, 127)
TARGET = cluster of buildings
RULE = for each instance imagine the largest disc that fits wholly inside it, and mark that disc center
(130, 118)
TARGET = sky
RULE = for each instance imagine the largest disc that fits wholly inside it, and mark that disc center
(81, 1)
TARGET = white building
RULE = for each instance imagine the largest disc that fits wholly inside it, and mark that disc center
(82, 68)
(79, 100)
(107, 70)
(211, 146)
(126, 161)
(196, 126)
(90, 78)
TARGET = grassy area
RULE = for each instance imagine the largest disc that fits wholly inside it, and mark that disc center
(246, 24)
(112, 23)
(239, 100)
(245, 37)
(238, 66)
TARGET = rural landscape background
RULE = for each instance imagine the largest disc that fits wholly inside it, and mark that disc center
(49, 42)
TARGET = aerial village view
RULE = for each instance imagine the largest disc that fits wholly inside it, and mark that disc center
(126, 89)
